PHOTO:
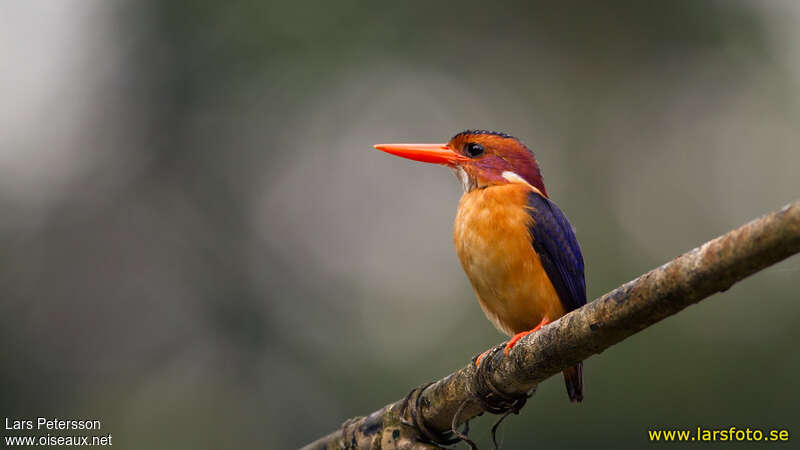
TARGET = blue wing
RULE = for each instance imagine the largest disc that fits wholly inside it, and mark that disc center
(554, 241)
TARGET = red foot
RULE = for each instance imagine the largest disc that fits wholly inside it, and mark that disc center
(480, 357)
(519, 336)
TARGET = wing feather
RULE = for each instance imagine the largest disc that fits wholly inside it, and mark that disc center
(558, 249)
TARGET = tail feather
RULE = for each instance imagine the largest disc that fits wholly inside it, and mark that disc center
(573, 378)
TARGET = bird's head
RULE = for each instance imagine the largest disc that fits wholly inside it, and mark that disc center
(479, 158)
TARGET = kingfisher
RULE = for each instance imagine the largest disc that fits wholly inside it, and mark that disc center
(517, 248)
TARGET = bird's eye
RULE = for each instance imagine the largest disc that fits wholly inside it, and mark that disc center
(473, 150)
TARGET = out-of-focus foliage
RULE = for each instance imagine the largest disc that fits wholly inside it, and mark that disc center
(199, 246)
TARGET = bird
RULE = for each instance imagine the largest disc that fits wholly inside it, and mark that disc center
(516, 246)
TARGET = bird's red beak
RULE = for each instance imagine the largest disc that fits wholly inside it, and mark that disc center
(429, 153)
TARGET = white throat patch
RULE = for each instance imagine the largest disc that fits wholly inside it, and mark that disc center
(467, 183)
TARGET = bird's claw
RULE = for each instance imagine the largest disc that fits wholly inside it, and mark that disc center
(489, 352)
(519, 336)
(480, 357)
(514, 340)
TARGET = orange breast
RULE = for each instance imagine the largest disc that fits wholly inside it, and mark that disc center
(494, 246)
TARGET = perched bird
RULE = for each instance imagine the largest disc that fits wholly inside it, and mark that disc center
(516, 246)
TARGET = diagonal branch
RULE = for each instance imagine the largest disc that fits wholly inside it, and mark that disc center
(713, 267)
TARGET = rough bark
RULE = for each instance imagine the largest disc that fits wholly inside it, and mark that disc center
(713, 267)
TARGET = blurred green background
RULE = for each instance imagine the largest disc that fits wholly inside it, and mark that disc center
(199, 246)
